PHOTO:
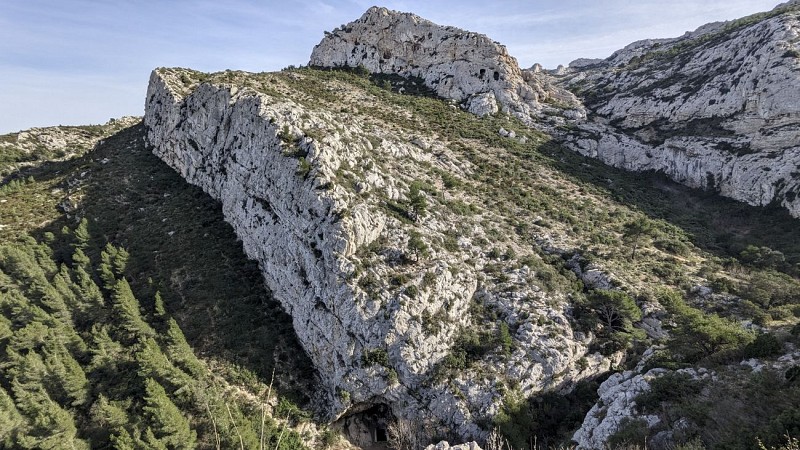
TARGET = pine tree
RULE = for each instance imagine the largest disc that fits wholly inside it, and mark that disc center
(52, 427)
(108, 421)
(127, 314)
(106, 352)
(5, 329)
(417, 204)
(159, 305)
(91, 304)
(122, 440)
(11, 421)
(81, 235)
(180, 352)
(106, 268)
(168, 424)
(79, 259)
(68, 384)
(636, 232)
(153, 363)
(107, 414)
(120, 261)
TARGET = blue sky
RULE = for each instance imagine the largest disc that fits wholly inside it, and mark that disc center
(75, 62)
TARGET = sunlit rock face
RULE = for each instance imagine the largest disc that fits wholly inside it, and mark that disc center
(456, 64)
(717, 109)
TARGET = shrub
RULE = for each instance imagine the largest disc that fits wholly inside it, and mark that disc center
(303, 167)
(631, 432)
(763, 257)
(329, 438)
(288, 409)
(780, 312)
(764, 345)
(506, 342)
(699, 334)
(378, 356)
(671, 386)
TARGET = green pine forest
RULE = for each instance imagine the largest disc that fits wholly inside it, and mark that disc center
(118, 330)
(87, 364)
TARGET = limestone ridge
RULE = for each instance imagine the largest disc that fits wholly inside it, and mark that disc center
(714, 109)
(227, 143)
(718, 108)
(456, 64)
(286, 195)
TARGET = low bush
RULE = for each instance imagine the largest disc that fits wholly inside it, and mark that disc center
(672, 386)
(764, 345)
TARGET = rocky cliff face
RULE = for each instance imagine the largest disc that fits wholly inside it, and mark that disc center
(716, 109)
(456, 64)
(320, 194)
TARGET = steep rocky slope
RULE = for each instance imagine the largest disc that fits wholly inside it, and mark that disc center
(470, 292)
(379, 290)
(717, 109)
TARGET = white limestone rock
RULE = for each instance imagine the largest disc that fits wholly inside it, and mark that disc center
(456, 64)
(444, 445)
(481, 105)
(717, 109)
(615, 405)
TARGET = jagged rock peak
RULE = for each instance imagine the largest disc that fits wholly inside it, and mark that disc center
(457, 64)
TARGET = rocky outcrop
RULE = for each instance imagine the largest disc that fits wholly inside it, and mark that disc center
(617, 406)
(617, 403)
(716, 109)
(314, 192)
(464, 66)
(444, 445)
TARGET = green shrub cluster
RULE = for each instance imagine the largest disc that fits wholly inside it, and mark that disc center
(699, 335)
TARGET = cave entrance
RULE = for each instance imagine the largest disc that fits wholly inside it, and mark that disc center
(380, 435)
(366, 426)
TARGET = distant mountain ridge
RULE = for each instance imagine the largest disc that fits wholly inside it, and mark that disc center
(716, 109)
